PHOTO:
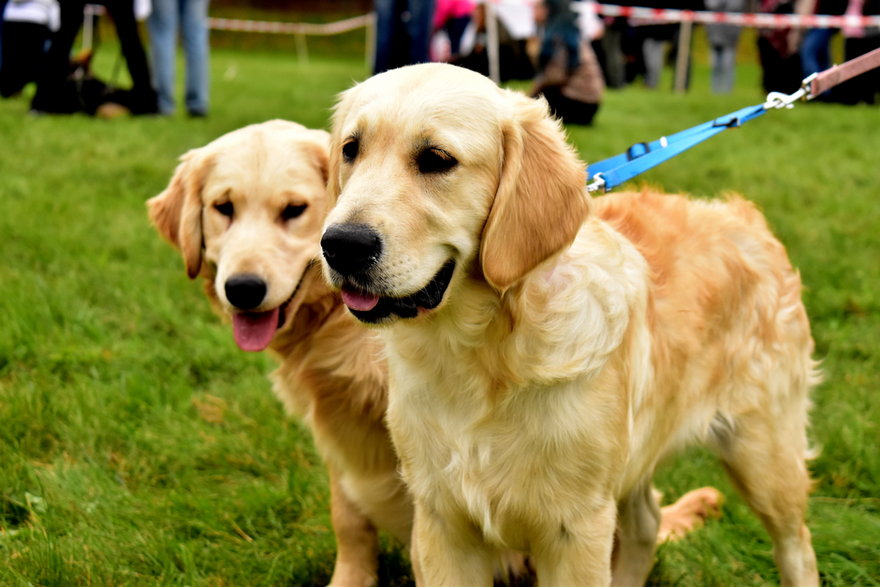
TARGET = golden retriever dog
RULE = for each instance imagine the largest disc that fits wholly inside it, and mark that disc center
(246, 213)
(547, 350)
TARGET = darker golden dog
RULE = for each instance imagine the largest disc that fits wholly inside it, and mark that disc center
(246, 212)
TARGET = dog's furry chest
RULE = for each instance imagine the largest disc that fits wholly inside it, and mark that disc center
(516, 425)
(503, 463)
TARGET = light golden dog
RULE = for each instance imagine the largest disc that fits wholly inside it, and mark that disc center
(547, 350)
(246, 212)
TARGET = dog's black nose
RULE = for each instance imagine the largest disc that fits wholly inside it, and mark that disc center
(245, 291)
(351, 248)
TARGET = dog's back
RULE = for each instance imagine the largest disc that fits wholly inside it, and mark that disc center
(731, 352)
(724, 305)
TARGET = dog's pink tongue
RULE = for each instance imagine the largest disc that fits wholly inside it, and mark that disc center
(254, 331)
(362, 302)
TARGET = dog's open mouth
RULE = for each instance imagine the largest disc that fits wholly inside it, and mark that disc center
(253, 331)
(373, 308)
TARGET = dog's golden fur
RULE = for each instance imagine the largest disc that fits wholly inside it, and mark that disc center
(578, 343)
(331, 371)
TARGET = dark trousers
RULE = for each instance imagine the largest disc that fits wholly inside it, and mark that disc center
(23, 47)
(779, 73)
(862, 88)
(568, 110)
(403, 33)
(52, 81)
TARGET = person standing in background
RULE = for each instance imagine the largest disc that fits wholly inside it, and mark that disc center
(778, 49)
(29, 25)
(859, 40)
(403, 33)
(453, 16)
(53, 90)
(569, 76)
(723, 40)
(2, 10)
(190, 19)
(815, 50)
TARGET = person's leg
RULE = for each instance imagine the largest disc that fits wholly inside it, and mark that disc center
(2, 10)
(23, 45)
(455, 28)
(568, 110)
(51, 95)
(727, 68)
(421, 18)
(615, 62)
(773, 74)
(143, 95)
(654, 51)
(386, 24)
(163, 45)
(814, 51)
(715, 54)
(196, 50)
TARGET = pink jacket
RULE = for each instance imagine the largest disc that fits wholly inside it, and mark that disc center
(446, 9)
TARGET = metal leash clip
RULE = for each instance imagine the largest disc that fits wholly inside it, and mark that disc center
(780, 100)
(598, 184)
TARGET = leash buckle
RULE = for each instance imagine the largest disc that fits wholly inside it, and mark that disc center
(807, 85)
(780, 100)
(598, 184)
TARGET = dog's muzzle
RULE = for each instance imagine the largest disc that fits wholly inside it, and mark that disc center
(351, 249)
(374, 309)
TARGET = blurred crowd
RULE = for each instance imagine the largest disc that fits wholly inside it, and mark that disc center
(571, 56)
(36, 46)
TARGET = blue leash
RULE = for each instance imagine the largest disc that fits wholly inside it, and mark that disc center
(610, 173)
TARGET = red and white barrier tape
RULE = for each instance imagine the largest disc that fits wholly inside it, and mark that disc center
(751, 19)
(747, 19)
(289, 28)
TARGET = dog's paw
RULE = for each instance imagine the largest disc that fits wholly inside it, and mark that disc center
(689, 513)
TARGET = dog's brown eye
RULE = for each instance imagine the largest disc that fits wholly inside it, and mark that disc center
(435, 161)
(225, 208)
(291, 211)
(350, 150)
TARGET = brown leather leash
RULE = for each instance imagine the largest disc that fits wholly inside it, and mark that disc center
(837, 74)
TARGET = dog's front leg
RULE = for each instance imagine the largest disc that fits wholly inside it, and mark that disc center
(578, 552)
(357, 540)
(446, 553)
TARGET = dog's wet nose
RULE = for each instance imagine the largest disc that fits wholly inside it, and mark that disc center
(351, 248)
(245, 291)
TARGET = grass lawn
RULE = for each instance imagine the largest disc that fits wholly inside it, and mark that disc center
(138, 445)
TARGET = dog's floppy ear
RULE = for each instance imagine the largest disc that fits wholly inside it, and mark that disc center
(340, 112)
(177, 211)
(320, 150)
(541, 200)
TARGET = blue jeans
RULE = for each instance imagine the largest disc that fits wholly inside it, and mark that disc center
(816, 50)
(190, 17)
(723, 68)
(403, 32)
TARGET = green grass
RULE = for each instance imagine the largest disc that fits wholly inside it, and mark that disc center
(139, 446)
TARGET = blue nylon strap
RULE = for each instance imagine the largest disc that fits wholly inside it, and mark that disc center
(643, 156)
